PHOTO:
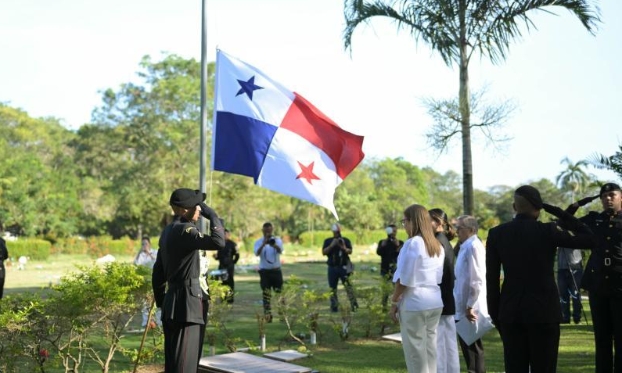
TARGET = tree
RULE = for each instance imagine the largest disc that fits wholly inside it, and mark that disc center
(144, 143)
(447, 124)
(456, 29)
(573, 179)
(612, 162)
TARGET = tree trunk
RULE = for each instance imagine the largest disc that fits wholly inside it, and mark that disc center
(465, 117)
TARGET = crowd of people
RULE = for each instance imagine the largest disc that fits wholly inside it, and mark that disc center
(435, 285)
(509, 280)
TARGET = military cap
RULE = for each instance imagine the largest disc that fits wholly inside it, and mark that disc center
(186, 198)
(531, 194)
(609, 187)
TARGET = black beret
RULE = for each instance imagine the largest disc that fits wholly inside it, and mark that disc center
(186, 198)
(609, 187)
(531, 194)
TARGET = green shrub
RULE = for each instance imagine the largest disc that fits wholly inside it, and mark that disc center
(34, 248)
(97, 246)
(315, 239)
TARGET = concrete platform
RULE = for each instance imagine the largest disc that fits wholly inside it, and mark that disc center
(241, 362)
(395, 337)
(285, 355)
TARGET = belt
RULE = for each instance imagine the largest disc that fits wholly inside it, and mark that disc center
(181, 284)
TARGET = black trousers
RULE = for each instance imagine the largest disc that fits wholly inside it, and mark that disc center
(1, 283)
(270, 279)
(530, 346)
(473, 356)
(607, 320)
(183, 344)
(229, 281)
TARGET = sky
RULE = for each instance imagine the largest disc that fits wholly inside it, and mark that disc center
(57, 56)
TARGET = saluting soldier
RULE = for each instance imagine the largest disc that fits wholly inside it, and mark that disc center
(526, 310)
(175, 280)
(603, 279)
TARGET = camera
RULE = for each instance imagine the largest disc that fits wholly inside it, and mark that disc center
(271, 241)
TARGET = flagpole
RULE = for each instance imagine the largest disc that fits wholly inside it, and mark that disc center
(203, 125)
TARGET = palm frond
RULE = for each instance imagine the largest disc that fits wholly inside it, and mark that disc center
(425, 20)
(495, 24)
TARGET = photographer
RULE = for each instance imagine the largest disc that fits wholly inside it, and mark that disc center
(269, 249)
(338, 250)
(388, 249)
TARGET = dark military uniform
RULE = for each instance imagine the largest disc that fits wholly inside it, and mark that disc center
(227, 258)
(339, 268)
(603, 280)
(177, 290)
(4, 255)
(527, 310)
(388, 250)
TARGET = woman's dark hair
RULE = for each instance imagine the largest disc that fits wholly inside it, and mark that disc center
(441, 218)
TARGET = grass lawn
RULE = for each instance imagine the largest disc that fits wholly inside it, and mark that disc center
(331, 354)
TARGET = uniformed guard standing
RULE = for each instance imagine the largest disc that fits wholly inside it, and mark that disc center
(603, 279)
(527, 310)
(175, 279)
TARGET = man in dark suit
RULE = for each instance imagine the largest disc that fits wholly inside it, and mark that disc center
(526, 310)
(175, 279)
(603, 279)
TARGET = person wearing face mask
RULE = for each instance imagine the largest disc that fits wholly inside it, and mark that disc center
(176, 279)
(338, 250)
(602, 279)
(388, 249)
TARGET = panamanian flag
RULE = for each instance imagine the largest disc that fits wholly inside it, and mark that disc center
(274, 135)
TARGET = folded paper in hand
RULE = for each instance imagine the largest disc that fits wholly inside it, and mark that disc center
(472, 331)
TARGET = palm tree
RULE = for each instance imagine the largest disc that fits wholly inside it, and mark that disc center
(612, 162)
(573, 178)
(458, 28)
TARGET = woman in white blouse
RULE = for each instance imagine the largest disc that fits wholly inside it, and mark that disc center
(416, 301)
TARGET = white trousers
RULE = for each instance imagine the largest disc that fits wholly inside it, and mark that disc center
(418, 330)
(447, 358)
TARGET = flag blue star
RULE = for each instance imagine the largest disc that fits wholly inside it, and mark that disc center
(248, 87)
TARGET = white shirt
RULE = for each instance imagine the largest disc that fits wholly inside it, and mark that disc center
(470, 285)
(270, 257)
(421, 275)
(146, 259)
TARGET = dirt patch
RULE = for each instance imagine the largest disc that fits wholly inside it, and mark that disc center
(156, 368)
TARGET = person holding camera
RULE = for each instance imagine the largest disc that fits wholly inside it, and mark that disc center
(388, 249)
(175, 279)
(338, 250)
(269, 249)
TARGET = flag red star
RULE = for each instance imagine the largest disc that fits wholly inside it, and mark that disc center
(307, 172)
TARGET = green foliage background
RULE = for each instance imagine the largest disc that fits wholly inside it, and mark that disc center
(113, 176)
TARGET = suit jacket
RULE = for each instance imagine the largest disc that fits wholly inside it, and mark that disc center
(526, 249)
(175, 277)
